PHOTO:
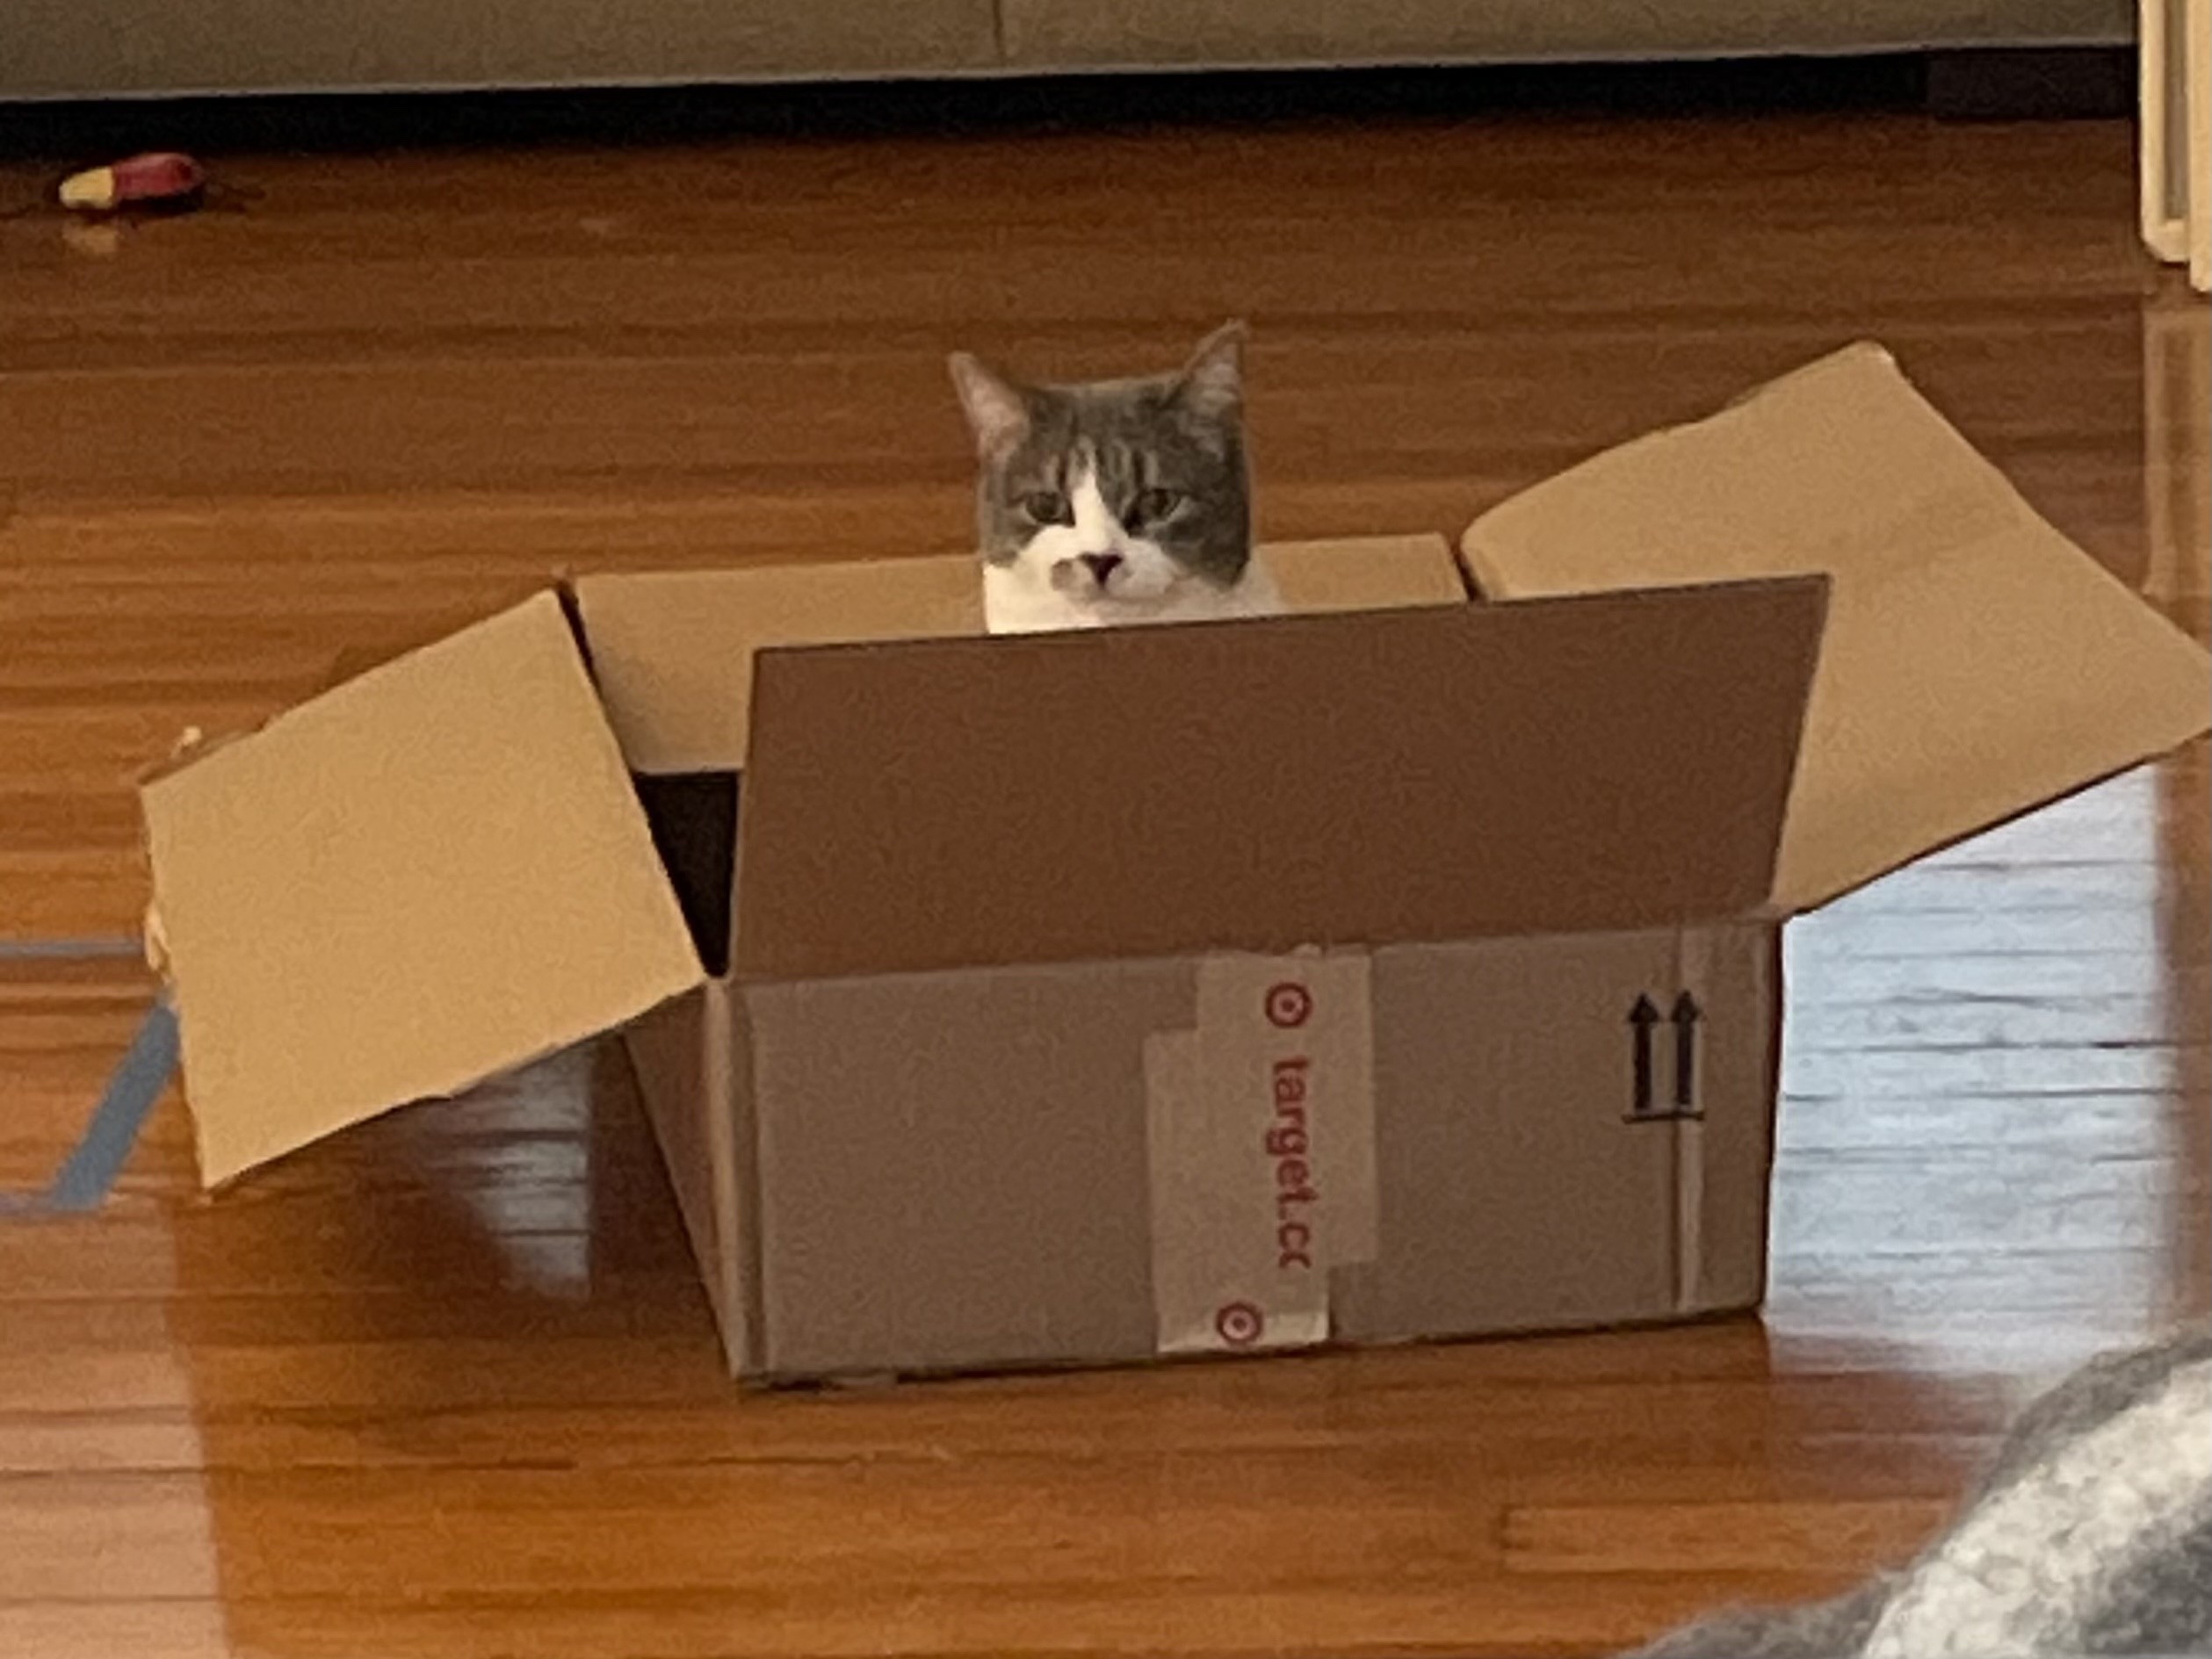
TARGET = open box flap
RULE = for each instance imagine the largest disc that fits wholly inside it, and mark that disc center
(1364, 573)
(424, 877)
(1426, 772)
(1977, 663)
(673, 651)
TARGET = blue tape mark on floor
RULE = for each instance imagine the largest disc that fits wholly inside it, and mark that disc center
(89, 1174)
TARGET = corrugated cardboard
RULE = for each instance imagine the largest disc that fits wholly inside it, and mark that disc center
(1006, 1211)
(1400, 970)
(1976, 662)
(1151, 792)
(434, 872)
(673, 652)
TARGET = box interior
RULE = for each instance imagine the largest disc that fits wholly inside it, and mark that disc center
(693, 820)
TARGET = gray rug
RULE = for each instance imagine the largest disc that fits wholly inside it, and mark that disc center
(2090, 1536)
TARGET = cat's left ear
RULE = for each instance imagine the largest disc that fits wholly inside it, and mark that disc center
(1212, 382)
(998, 413)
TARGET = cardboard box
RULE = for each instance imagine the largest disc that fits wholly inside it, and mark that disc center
(1403, 968)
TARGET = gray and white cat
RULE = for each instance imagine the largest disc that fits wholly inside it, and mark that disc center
(1114, 501)
(2090, 1537)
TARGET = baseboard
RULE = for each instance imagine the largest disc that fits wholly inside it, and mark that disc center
(2042, 83)
(2024, 84)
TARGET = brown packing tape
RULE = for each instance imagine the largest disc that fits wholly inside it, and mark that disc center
(1692, 1013)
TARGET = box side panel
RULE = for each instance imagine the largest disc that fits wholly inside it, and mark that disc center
(952, 1167)
(1733, 976)
(681, 1055)
(666, 1050)
(1516, 1193)
(957, 1170)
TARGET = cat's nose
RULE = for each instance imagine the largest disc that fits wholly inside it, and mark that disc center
(1101, 565)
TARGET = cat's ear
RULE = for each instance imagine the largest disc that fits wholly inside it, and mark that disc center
(997, 412)
(1211, 383)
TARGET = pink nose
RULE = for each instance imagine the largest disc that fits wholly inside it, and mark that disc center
(1101, 565)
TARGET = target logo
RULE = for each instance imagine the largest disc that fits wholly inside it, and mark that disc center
(1290, 1006)
(1238, 1323)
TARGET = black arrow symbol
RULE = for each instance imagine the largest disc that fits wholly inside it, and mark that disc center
(1686, 1015)
(1641, 1018)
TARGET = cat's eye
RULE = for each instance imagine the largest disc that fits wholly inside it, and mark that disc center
(1154, 506)
(1046, 507)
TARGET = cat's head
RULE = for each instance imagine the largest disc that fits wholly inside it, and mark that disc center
(1118, 495)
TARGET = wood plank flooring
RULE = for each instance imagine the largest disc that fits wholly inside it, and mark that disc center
(445, 1388)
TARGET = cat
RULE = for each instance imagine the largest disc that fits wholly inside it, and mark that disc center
(1116, 502)
(2090, 1536)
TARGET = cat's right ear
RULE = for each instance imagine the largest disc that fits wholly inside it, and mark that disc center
(997, 412)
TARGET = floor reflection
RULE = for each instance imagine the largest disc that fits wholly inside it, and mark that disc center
(1994, 1144)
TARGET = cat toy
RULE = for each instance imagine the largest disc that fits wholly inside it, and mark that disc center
(98, 204)
(156, 181)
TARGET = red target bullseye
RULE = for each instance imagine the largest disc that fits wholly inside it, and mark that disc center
(1289, 1005)
(1239, 1324)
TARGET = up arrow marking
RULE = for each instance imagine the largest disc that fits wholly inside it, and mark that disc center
(1641, 1018)
(1686, 1015)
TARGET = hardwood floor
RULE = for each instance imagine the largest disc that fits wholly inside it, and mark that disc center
(445, 1388)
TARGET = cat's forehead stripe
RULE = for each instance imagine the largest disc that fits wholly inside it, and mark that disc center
(1119, 466)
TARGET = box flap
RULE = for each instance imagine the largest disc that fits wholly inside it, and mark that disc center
(1428, 773)
(673, 651)
(1977, 663)
(426, 877)
(1365, 573)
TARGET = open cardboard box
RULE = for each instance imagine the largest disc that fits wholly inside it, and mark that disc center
(1407, 968)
